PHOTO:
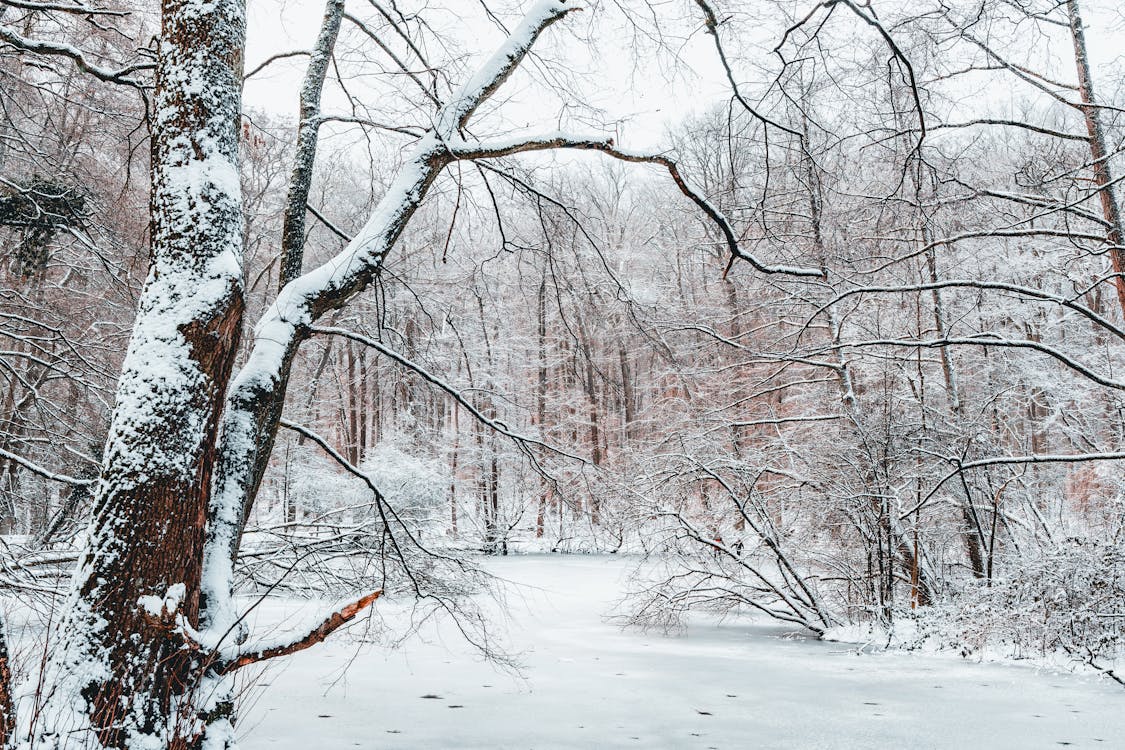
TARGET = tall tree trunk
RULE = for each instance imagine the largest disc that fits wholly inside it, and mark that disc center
(351, 392)
(454, 409)
(628, 394)
(971, 533)
(541, 403)
(300, 181)
(7, 704)
(119, 668)
(1103, 177)
(589, 383)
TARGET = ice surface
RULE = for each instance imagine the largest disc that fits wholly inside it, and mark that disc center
(591, 685)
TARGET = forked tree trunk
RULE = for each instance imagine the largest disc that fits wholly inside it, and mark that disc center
(144, 653)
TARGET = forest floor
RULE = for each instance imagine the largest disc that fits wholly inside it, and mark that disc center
(586, 683)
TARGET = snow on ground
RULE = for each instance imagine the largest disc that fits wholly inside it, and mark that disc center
(588, 684)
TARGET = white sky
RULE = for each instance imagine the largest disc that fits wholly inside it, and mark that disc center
(640, 94)
(639, 97)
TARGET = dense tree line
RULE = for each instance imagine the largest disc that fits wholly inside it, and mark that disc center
(845, 350)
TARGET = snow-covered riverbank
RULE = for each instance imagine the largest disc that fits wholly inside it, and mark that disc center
(591, 685)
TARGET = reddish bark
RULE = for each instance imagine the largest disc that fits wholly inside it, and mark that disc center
(334, 622)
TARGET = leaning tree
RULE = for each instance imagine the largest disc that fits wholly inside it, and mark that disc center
(150, 635)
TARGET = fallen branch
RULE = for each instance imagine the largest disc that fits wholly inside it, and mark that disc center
(334, 622)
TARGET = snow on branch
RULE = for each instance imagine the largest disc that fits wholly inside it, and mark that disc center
(491, 76)
(989, 340)
(331, 624)
(58, 49)
(310, 295)
(43, 472)
(786, 420)
(76, 8)
(1041, 459)
(328, 224)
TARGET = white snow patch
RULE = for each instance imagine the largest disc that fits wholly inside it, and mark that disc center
(589, 684)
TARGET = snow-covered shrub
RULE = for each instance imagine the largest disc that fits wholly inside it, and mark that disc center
(1068, 599)
(414, 486)
(327, 530)
(314, 485)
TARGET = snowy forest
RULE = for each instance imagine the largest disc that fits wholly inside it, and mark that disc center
(808, 314)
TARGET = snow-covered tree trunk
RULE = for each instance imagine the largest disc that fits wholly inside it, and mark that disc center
(150, 633)
(256, 397)
(121, 672)
(7, 704)
(300, 182)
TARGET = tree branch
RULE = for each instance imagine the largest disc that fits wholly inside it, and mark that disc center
(474, 150)
(45, 473)
(333, 623)
(429, 377)
(77, 56)
(274, 58)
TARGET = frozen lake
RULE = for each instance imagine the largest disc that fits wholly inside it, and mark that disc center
(588, 684)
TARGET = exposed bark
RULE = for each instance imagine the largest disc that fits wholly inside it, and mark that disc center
(308, 128)
(113, 669)
(317, 635)
(7, 703)
(1103, 177)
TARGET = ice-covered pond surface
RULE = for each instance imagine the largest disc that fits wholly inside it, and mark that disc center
(588, 684)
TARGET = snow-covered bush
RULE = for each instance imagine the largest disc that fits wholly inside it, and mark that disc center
(1068, 599)
(328, 530)
(313, 485)
(414, 486)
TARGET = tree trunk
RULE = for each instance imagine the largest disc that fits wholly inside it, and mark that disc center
(1103, 177)
(541, 403)
(453, 409)
(118, 669)
(300, 182)
(7, 705)
(971, 533)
